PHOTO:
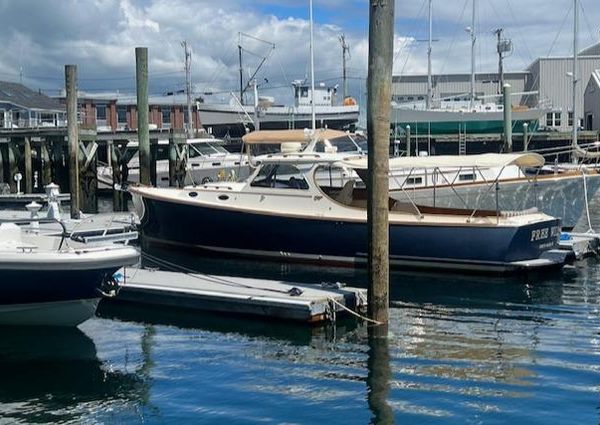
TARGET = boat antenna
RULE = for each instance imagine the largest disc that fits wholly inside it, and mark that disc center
(312, 70)
(471, 30)
(188, 87)
(345, 50)
(429, 84)
(575, 73)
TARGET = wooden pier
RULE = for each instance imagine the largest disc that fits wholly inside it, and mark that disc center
(240, 296)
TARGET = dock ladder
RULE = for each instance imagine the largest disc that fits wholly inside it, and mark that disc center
(462, 141)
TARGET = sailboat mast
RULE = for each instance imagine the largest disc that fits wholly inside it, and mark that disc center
(575, 70)
(312, 71)
(241, 68)
(188, 87)
(429, 84)
(473, 39)
(345, 49)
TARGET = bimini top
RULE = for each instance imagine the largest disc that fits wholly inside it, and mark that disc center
(286, 136)
(454, 161)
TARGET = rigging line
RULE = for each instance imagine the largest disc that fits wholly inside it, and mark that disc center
(462, 13)
(211, 278)
(408, 45)
(559, 30)
(587, 23)
(526, 61)
(519, 32)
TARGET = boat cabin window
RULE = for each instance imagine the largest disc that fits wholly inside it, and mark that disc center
(414, 180)
(466, 177)
(280, 176)
(162, 153)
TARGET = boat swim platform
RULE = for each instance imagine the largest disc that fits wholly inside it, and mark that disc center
(580, 245)
(308, 303)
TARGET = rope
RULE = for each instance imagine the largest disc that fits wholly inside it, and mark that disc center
(176, 267)
(587, 206)
(360, 316)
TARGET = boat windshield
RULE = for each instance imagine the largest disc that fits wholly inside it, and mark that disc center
(202, 149)
(281, 176)
(219, 148)
(349, 143)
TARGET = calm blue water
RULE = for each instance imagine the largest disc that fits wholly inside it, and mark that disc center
(461, 350)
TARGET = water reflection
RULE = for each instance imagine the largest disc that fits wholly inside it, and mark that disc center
(54, 375)
(290, 332)
(379, 375)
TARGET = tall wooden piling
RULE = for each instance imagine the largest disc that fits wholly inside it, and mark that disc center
(73, 136)
(508, 145)
(525, 137)
(28, 166)
(379, 87)
(143, 131)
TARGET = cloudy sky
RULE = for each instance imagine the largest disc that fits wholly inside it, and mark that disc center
(40, 36)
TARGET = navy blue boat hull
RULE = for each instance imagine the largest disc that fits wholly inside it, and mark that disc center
(42, 286)
(317, 240)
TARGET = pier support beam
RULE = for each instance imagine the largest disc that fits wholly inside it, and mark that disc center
(177, 159)
(508, 145)
(13, 163)
(28, 164)
(88, 177)
(73, 137)
(120, 157)
(379, 88)
(525, 137)
(141, 63)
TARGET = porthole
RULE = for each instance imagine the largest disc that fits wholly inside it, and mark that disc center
(193, 194)
(223, 197)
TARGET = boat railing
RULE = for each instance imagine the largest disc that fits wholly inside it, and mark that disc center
(41, 220)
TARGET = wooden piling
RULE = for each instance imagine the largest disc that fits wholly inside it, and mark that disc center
(143, 131)
(28, 166)
(525, 137)
(73, 137)
(379, 87)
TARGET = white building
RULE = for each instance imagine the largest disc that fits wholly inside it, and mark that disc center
(591, 101)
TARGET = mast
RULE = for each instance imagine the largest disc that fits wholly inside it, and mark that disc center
(500, 64)
(241, 68)
(575, 72)
(345, 49)
(473, 39)
(188, 87)
(429, 99)
(312, 71)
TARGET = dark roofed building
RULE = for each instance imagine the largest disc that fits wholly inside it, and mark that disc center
(21, 107)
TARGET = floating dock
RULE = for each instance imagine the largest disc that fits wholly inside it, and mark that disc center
(310, 303)
(580, 245)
